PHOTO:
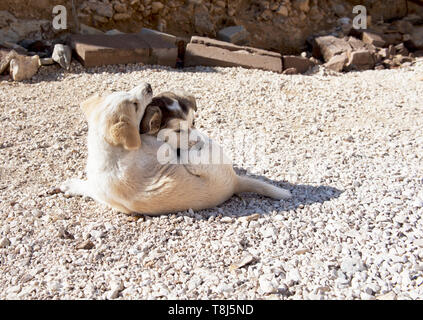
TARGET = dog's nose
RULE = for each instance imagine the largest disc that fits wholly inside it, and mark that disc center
(141, 90)
(148, 88)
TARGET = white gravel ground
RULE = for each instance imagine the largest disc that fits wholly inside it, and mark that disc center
(348, 146)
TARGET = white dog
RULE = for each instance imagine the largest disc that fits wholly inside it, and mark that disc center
(123, 170)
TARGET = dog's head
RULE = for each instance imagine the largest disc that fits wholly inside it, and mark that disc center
(172, 112)
(117, 116)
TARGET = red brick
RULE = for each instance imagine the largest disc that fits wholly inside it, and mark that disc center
(300, 63)
(97, 50)
(214, 53)
(202, 55)
(232, 47)
(162, 51)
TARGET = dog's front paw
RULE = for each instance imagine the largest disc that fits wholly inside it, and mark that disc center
(73, 187)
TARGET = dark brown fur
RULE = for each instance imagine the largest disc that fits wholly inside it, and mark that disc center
(158, 114)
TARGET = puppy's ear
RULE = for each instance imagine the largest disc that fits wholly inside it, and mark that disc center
(90, 104)
(151, 121)
(190, 101)
(122, 132)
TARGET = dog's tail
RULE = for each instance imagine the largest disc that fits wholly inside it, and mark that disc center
(246, 184)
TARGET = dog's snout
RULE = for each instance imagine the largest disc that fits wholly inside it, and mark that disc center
(148, 88)
(142, 91)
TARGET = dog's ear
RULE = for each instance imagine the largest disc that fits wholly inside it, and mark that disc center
(90, 104)
(122, 132)
(151, 121)
(189, 100)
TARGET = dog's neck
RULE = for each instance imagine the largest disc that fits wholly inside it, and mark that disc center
(103, 157)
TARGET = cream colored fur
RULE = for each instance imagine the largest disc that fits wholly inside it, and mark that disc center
(124, 172)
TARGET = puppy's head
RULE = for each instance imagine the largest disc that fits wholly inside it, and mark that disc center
(152, 120)
(172, 112)
(117, 116)
(169, 110)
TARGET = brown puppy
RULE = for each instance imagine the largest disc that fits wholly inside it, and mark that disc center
(167, 110)
(171, 111)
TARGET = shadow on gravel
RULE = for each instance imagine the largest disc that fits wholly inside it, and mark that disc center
(249, 203)
(302, 194)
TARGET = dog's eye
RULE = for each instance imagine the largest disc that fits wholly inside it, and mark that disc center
(178, 131)
(136, 106)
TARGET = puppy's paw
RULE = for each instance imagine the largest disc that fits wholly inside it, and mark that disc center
(74, 187)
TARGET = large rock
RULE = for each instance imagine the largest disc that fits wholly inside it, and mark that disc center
(232, 47)
(329, 46)
(214, 53)
(162, 51)
(97, 50)
(356, 44)
(24, 67)
(236, 35)
(362, 55)
(301, 64)
(337, 63)
(172, 40)
(360, 60)
(62, 54)
(5, 57)
(373, 38)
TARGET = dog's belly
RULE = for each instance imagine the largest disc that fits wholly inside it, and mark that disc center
(146, 186)
(181, 190)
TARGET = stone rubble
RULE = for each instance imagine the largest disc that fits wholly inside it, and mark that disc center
(24, 67)
(387, 44)
(62, 54)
